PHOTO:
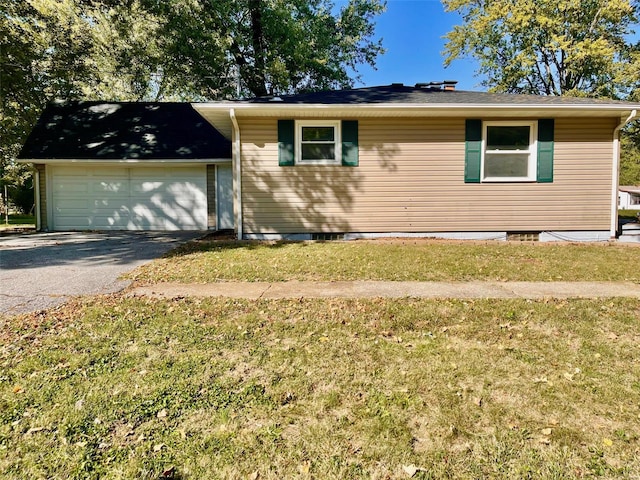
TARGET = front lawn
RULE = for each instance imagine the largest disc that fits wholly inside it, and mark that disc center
(134, 388)
(396, 259)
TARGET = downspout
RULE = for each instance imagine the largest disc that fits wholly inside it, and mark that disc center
(36, 191)
(615, 173)
(238, 172)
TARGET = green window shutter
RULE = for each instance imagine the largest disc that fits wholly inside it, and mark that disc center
(545, 150)
(350, 143)
(473, 151)
(286, 146)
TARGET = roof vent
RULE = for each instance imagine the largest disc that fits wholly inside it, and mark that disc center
(429, 85)
(437, 86)
(450, 85)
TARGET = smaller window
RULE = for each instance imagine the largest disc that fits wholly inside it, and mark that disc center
(509, 152)
(318, 142)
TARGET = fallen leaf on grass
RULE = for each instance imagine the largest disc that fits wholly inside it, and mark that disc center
(546, 431)
(34, 430)
(162, 413)
(607, 442)
(411, 470)
(158, 447)
(254, 476)
(168, 473)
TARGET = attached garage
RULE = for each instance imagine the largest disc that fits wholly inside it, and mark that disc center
(130, 166)
(121, 198)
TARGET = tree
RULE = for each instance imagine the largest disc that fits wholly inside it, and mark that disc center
(40, 48)
(546, 47)
(171, 50)
(630, 156)
(266, 47)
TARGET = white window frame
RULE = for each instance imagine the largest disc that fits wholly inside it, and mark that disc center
(337, 139)
(532, 150)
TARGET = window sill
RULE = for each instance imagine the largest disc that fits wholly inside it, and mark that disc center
(509, 180)
(318, 162)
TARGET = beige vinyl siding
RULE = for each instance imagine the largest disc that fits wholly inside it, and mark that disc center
(411, 179)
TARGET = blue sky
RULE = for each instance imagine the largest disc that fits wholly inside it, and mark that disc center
(412, 32)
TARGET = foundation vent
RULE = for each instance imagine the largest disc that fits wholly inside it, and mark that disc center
(327, 236)
(523, 236)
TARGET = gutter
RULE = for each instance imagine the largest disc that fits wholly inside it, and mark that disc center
(615, 173)
(278, 107)
(238, 171)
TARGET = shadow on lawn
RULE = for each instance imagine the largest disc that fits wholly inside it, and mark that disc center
(212, 244)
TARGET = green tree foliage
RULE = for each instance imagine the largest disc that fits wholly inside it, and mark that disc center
(171, 50)
(219, 47)
(630, 158)
(546, 47)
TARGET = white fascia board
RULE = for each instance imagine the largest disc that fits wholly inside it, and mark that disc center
(434, 109)
(132, 162)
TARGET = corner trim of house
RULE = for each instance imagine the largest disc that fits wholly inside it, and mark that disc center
(236, 159)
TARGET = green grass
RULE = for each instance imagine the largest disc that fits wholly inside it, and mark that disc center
(117, 387)
(17, 221)
(401, 259)
(628, 213)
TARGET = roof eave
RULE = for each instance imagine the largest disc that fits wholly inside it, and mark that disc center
(125, 161)
(217, 113)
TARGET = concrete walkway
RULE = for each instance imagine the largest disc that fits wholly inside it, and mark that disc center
(360, 289)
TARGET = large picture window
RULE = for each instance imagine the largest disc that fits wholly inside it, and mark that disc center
(509, 151)
(318, 142)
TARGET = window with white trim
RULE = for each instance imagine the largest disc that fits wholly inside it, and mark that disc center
(318, 142)
(509, 151)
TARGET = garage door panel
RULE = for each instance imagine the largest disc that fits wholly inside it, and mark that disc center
(72, 171)
(73, 222)
(143, 199)
(108, 172)
(68, 204)
(110, 188)
(71, 186)
(143, 187)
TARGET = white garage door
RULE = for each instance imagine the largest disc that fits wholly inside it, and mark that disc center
(119, 198)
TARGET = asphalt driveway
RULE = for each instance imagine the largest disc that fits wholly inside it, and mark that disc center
(41, 270)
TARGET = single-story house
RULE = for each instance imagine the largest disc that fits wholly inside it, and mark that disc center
(423, 160)
(629, 197)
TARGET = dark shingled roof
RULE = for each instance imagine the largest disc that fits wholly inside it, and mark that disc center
(124, 130)
(402, 94)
